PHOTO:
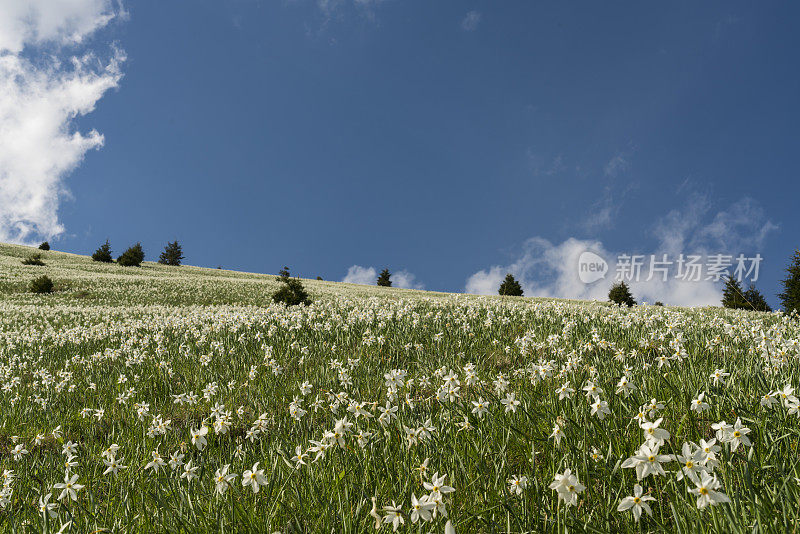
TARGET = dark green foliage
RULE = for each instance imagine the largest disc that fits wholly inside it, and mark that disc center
(43, 284)
(44, 246)
(756, 300)
(172, 255)
(621, 294)
(790, 296)
(385, 278)
(36, 259)
(735, 298)
(103, 253)
(319, 278)
(133, 257)
(733, 295)
(510, 287)
(659, 303)
(292, 291)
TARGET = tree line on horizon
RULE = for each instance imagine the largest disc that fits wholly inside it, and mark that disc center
(292, 291)
(733, 296)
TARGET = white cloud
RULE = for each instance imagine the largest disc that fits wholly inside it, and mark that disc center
(471, 20)
(545, 269)
(369, 276)
(59, 22)
(361, 275)
(42, 91)
(406, 280)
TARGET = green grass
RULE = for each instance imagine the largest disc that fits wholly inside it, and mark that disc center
(113, 338)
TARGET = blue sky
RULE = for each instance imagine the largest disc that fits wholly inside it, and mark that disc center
(452, 140)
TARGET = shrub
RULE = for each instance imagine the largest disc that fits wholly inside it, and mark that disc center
(43, 284)
(659, 303)
(510, 287)
(103, 253)
(621, 294)
(790, 296)
(172, 255)
(36, 259)
(44, 246)
(292, 291)
(385, 278)
(133, 257)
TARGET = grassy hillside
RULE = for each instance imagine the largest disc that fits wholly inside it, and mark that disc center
(161, 399)
(80, 280)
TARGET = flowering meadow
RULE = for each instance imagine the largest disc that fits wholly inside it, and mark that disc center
(183, 400)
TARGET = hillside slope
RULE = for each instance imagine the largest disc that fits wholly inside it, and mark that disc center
(78, 279)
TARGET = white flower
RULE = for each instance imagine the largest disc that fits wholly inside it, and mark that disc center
(47, 507)
(600, 408)
(189, 472)
(393, 516)
(421, 508)
(719, 376)
(222, 479)
(705, 490)
(647, 461)
(156, 463)
(787, 396)
(517, 484)
(480, 407)
(113, 466)
(699, 405)
(299, 457)
(636, 503)
(69, 488)
(653, 434)
(738, 435)
(199, 437)
(254, 478)
(510, 402)
(568, 487)
(437, 486)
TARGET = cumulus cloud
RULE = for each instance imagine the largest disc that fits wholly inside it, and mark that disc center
(361, 275)
(406, 280)
(471, 20)
(43, 88)
(357, 274)
(545, 269)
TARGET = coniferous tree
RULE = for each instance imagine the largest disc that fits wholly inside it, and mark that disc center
(733, 295)
(755, 300)
(292, 292)
(510, 287)
(172, 255)
(44, 246)
(621, 294)
(133, 257)
(385, 278)
(103, 253)
(790, 296)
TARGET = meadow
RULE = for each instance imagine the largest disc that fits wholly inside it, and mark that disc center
(164, 399)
